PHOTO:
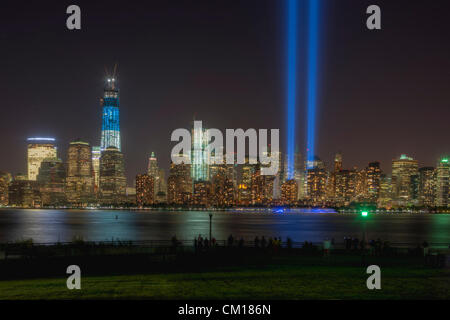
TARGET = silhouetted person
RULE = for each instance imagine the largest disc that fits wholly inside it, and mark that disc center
(257, 242)
(263, 242)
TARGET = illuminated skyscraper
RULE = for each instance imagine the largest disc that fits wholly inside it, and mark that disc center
(373, 181)
(38, 150)
(80, 175)
(179, 184)
(144, 190)
(427, 185)
(110, 116)
(442, 183)
(199, 156)
(51, 182)
(112, 177)
(96, 154)
(404, 179)
(5, 180)
(289, 192)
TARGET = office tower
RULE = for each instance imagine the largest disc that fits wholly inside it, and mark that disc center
(261, 187)
(344, 187)
(51, 180)
(316, 178)
(96, 154)
(144, 190)
(222, 188)
(202, 194)
(24, 193)
(373, 172)
(179, 184)
(152, 169)
(5, 180)
(289, 192)
(80, 174)
(199, 156)
(161, 190)
(404, 175)
(427, 186)
(299, 175)
(338, 162)
(442, 183)
(110, 116)
(38, 150)
(385, 196)
(112, 177)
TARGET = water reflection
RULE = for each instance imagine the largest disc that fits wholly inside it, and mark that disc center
(100, 225)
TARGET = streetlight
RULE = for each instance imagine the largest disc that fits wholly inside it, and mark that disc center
(364, 215)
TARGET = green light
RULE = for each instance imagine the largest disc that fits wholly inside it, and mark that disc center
(445, 160)
(364, 213)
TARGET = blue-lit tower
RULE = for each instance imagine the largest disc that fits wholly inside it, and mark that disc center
(110, 116)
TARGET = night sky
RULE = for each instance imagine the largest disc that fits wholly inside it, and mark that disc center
(381, 93)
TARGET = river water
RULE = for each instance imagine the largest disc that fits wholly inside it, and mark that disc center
(99, 225)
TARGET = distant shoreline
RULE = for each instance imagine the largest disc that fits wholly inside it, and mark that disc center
(274, 210)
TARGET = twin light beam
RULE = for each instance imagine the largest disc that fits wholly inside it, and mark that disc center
(312, 52)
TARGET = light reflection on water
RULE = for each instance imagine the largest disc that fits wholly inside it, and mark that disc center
(100, 225)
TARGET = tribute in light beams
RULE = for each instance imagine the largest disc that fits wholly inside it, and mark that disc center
(313, 31)
(292, 13)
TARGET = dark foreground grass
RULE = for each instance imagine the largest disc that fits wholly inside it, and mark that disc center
(269, 282)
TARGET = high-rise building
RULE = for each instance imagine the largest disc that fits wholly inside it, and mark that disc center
(96, 154)
(110, 116)
(289, 192)
(5, 180)
(152, 169)
(338, 162)
(179, 184)
(427, 186)
(80, 174)
(373, 172)
(222, 188)
(38, 150)
(344, 187)
(112, 177)
(261, 187)
(316, 181)
(385, 196)
(442, 183)
(404, 180)
(24, 193)
(51, 180)
(199, 155)
(144, 190)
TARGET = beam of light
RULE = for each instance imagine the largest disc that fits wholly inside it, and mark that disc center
(292, 16)
(313, 33)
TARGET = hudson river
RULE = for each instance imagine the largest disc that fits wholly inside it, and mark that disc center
(100, 225)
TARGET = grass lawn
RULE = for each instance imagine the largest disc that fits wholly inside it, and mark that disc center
(270, 282)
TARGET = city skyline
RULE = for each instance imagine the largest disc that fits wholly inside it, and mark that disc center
(366, 106)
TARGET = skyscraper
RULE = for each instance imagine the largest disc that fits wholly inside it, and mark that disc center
(144, 190)
(442, 183)
(96, 154)
(112, 177)
(373, 181)
(5, 180)
(38, 150)
(110, 116)
(199, 156)
(404, 176)
(80, 175)
(427, 186)
(51, 182)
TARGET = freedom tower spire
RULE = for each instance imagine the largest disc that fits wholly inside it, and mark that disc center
(110, 115)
